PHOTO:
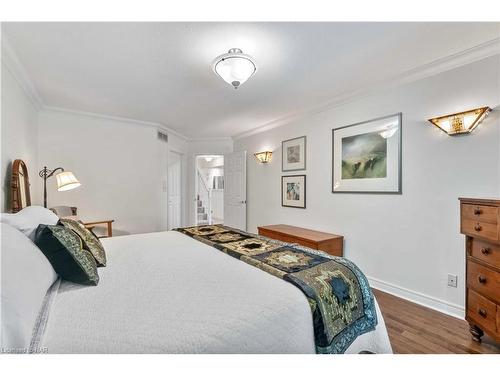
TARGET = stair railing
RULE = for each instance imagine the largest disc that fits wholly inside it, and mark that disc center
(208, 194)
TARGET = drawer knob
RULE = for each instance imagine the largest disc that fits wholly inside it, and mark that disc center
(477, 211)
(485, 250)
(482, 312)
(481, 279)
(477, 227)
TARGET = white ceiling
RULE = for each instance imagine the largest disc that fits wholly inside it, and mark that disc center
(160, 72)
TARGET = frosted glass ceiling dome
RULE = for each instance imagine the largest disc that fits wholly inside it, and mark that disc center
(234, 67)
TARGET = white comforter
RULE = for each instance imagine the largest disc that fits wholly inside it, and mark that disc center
(167, 293)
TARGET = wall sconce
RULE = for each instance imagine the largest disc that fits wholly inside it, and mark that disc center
(462, 122)
(264, 156)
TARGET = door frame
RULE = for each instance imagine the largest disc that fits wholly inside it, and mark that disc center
(194, 208)
(181, 159)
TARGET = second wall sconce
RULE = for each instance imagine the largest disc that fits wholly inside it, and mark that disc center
(462, 122)
(264, 157)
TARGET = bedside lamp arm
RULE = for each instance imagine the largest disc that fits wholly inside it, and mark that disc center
(45, 174)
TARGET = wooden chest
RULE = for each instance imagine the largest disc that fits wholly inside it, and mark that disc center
(329, 243)
(480, 222)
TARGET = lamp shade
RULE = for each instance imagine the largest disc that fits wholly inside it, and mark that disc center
(66, 181)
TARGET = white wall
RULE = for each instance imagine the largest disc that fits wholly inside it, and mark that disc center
(19, 123)
(120, 164)
(410, 240)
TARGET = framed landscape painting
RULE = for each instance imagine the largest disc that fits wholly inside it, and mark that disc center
(293, 154)
(366, 157)
(293, 191)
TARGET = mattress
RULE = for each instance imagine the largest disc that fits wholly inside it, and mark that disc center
(167, 293)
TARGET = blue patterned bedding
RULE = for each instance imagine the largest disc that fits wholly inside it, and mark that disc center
(341, 301)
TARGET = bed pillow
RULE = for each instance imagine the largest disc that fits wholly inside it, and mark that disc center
(64, 250)
(29, 218)
(90, 240)
(26, 277)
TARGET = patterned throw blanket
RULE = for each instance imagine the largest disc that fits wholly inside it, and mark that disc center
(338, 293)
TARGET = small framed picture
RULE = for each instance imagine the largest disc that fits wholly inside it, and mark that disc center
(293, 191)
(366, 157)
(293, 154)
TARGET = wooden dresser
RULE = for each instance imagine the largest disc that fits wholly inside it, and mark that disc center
(327, 242)
(480, 222)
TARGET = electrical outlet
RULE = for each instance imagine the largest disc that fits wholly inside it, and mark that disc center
(452, 280)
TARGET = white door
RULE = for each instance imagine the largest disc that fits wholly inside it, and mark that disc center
(235, 190)
(174, 190)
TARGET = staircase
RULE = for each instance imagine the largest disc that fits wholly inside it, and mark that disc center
(203, 202)
(202, 212)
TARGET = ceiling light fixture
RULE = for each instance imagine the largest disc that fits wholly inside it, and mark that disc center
(234, 67)
(462, 122)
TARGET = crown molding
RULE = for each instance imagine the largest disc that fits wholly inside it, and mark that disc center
(133, 121)
(11, 61)
(114, 118)
(15, 67)
(468, 56)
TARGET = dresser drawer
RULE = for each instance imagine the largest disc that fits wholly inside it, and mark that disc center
(498, 319)
(486, 252)
(483, 280)
(481, 229)
(486, 214)
(482, 310)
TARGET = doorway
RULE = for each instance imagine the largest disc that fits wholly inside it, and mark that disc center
(209, 189)
(174, 190)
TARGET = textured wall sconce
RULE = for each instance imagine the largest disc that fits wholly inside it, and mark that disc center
(462, 122)
(264, 156)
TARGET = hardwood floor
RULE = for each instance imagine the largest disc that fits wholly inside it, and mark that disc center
(415, 329)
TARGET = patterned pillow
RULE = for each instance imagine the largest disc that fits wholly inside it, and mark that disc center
(63, 248)
(90, 241)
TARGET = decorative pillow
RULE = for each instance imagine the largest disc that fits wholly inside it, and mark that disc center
(90, 240)
(29, 218)
(64, 250)
(26, 275)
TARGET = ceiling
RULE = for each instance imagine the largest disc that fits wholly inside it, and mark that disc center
(160, 72)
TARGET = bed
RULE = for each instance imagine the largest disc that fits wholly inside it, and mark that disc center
(168, 293)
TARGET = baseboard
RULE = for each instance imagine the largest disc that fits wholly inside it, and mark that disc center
(419, 298)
